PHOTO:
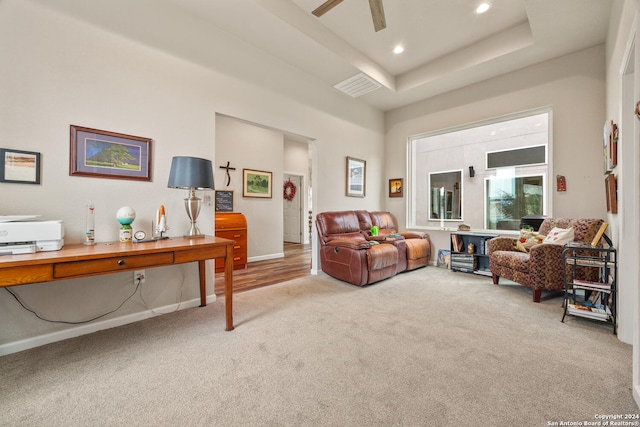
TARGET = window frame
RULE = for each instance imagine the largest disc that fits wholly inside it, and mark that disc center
(521, 174)
(546, 157)
(412, 184)
(460, 193)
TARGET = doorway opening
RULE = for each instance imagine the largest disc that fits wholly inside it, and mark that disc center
(292, 209)
(274, 223)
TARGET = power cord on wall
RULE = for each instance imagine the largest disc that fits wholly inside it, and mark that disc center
(146, 305)
(138, 286)
(70, 322)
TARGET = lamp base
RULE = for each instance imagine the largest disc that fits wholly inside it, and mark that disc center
(192, 205)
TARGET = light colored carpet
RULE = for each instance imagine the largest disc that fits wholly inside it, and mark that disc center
(425, 348)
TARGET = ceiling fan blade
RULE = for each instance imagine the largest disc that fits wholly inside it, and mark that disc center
(326, 7)
(377, 13)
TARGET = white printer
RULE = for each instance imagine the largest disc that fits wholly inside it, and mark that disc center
(27, 237)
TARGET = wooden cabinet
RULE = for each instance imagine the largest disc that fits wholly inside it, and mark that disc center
(233, 226)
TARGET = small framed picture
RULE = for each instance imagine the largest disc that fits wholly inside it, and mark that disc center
(20, 167)
(224, 201)
(610, 146)
(356, 177)
(256, 183)
(395, 187)
(611, 190)
(103, 154)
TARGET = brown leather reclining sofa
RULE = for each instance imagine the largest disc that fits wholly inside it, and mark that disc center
(348, 252)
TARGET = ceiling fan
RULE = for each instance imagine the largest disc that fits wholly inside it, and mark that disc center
(377, 12)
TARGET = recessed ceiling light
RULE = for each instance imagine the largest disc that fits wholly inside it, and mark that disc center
(483, 7)
(398, 49)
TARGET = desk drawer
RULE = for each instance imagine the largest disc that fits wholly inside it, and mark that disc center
(240, 237)
(24, 275)
(110, 265)
(239, 249)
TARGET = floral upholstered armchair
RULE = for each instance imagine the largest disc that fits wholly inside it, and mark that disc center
(541, 267)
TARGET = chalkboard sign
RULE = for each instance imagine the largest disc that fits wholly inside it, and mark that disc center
(224, 201)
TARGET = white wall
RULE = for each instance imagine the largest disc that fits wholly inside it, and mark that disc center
(248, 146)
(623, 91)
(573, 86)
(60, 70)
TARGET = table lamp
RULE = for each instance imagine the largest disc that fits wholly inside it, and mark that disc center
(191, 173)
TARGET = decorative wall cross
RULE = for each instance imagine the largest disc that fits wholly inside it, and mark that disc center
(228, 168)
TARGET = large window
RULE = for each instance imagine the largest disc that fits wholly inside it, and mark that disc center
(507, 160)
(509, 199)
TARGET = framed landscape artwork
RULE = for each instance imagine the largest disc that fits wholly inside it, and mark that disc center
(103, 154)
(20, 167)
(256, 183)
(356, 177)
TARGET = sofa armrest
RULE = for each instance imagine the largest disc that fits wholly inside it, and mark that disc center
(545, 261)
(544, 252)
(414, 235)
(356, 244)
(502, 244)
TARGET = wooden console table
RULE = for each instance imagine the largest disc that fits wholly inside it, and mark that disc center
(77, 260)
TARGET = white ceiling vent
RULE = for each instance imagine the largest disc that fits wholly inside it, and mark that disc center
(358, 85)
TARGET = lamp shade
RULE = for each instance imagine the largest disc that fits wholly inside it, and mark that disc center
(191, 172)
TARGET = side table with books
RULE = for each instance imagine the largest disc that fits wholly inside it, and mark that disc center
(591, 275)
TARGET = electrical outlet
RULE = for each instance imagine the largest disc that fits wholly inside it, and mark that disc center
(138, 275)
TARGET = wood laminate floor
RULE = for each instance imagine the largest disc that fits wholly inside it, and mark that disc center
(296, 263)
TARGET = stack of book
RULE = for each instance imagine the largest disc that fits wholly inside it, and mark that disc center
(586, 284)
(588, 309)
(456, 243)
(463, 262)
(484, 248)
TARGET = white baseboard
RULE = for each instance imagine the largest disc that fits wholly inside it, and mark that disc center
(636, 394)
(265, 257)
(79, 330)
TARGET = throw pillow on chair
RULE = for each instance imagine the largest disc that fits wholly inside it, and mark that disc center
(528, 239)
(560, 236)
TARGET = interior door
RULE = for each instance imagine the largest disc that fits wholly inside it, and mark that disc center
(293, 210)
